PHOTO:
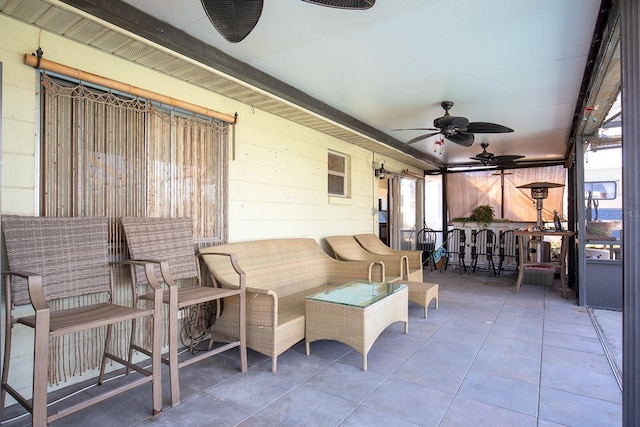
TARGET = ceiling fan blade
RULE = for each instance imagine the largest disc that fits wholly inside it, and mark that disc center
(421, 137)
(506, 164)
(234, 19)
(416, 129)
(344, 4)
(507, 158)
(451, 121)
(484, 127)
(462, 138)
(484, 160)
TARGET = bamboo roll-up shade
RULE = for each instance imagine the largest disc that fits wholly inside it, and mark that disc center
(125, 88)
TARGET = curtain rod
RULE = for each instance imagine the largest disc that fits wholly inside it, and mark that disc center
(40, 63)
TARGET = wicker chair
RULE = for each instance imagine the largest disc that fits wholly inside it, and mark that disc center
(168, 243)
(404, 265)
(67, 259)
(371, 243)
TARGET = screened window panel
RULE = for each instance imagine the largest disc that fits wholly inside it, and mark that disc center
(498, 189)
(467, 190)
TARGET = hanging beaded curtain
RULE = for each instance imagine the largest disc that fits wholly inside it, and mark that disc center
(111, 155)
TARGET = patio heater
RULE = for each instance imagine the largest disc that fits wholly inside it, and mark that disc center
(538, 248)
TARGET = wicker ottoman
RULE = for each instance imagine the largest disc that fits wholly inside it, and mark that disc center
(423, 293)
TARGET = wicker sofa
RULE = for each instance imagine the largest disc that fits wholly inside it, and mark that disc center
(279, 274)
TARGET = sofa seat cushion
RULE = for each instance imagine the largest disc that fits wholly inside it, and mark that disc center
(291, 307)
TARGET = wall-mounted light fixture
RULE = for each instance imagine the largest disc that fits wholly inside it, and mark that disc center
(378, 168)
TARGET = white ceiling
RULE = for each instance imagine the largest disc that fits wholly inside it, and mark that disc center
(515, 63)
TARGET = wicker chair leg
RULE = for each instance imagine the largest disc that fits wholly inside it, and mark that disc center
(131, 344)
(103, 364)
(40, 370)
(5, 365)
(174, 380)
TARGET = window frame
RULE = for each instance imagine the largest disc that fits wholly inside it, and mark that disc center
(344, 175)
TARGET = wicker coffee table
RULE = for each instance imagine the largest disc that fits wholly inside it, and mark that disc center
(355, 314)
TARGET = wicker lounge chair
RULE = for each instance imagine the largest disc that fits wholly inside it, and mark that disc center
(168, 243)
(60, 262)
(419, 292)
(371, 243)
(397, 264)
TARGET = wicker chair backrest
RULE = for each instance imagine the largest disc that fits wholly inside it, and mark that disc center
(162, 239)
(373, 244)
(347, 248)
(71, 255)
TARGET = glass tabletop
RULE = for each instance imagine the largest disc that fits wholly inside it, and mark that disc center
(360, 293)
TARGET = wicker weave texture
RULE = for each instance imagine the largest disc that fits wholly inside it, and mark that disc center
(162, 239)
(71, 254)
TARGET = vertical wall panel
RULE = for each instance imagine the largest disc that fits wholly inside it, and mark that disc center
(630, 35)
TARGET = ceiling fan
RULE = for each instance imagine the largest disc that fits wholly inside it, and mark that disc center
(235, 19)
(487, 158)
(457, 129)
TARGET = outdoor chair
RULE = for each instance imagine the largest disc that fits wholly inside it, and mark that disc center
(482, 245)
(400, 265)
(507, 248)
(427, 244)
(168, 243)
(60, 267)
(372, 243)
(455, 245)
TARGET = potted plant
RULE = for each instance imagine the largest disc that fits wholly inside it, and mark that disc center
(482, 214)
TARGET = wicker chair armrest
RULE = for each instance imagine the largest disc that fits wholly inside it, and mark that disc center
(382, 275)
(262, 307)
(415, 257)
(404, 267)
(233, 259)
(164, 271)
(34, 285)
(148, 270)
(341, 272)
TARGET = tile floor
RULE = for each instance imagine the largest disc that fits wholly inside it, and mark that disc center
(486, 357)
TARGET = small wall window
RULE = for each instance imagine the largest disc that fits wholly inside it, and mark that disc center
(337, 174)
